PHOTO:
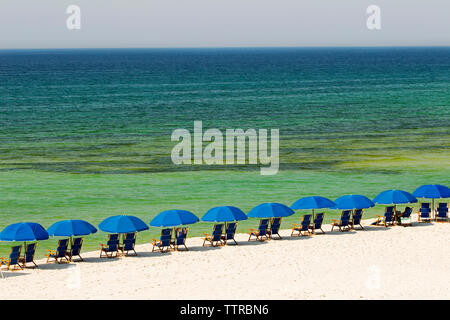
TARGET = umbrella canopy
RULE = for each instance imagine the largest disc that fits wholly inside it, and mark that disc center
(172, 218)
(69, 228)
(432, 191)
(24, 231)
(270, 210)
(353, 201)
(314, 202)
(122, 224)
(394, 197)
(224, 214)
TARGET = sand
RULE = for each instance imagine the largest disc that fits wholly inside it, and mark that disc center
(378, 263)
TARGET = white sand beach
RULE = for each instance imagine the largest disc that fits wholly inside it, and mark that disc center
(376, 263)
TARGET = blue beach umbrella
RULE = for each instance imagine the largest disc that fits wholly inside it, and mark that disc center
(432, 191)
(122, 224)
(394, 197)
(24, 231)
(69, 228)
(314, 202)
(353, 201)
(270, 210)
(224, 214)
(172, 218)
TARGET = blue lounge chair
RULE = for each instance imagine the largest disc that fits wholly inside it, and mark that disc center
(275, 225)
(317, 224)
(343, 223)
(424, 214)
(356, 219)
(230, 231)
(302, 228)
(261, 233)
(404, 219)
(75, 249)
(30, 250)
(180, 238)
(111, 248)
(388, 218)
(214, 239)
(442, 213)
(60, 253)
(12, 263)
(164, 244)
(129, 242)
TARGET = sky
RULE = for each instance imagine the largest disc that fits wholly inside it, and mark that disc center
(222, 23)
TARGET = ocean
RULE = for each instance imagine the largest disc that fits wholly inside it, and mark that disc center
(85, 134)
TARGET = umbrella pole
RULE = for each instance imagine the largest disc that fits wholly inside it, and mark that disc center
(432, 207)
(395, 212)
(313, 214)
(24, 248)
(174, 237)
(226, 228)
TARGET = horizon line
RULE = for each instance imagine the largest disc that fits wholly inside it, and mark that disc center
(228, 47)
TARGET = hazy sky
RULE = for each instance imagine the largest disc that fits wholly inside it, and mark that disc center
(218, 23)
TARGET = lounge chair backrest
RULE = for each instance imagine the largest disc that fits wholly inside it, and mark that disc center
(263, 225)
(389, 214)
(425, 205)
(318, 220)
(357, 216)
(166, 237)
(407, 212)
(15, 254)
(306, 220)
(113, 237)
(129, 241)
(345, 217)
(77, 241)
(16, 249)
(217, 232)
(29, 252)
(113, 242)
(443, 205)
(424, 212)
(76, 246)
(166, 232)
(442, 212)
(231, 230)
(130, 236)
(62, 248)
(275, 226)
(181, 236)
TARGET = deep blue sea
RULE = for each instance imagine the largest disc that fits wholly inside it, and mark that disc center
(91, 106)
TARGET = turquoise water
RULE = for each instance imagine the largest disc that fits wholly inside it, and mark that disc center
(86, 133)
